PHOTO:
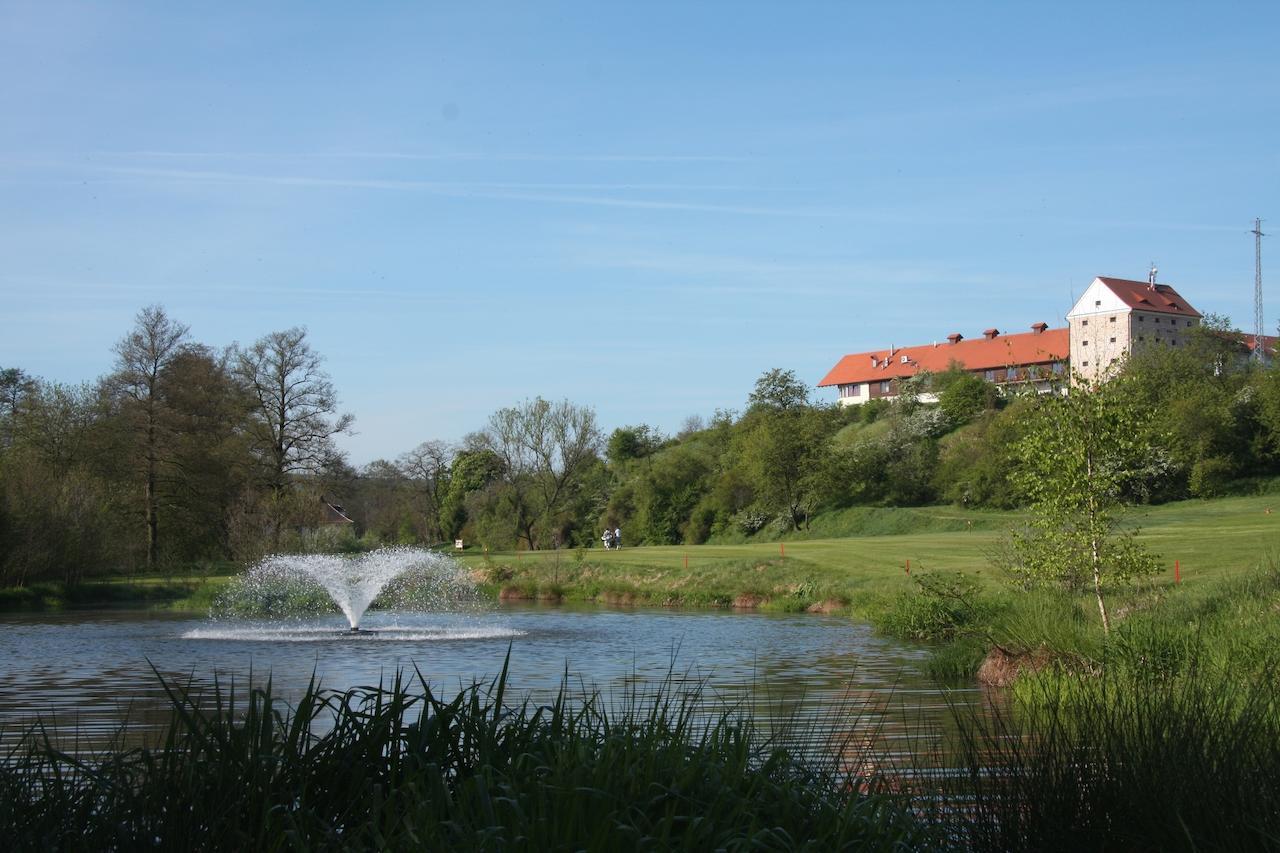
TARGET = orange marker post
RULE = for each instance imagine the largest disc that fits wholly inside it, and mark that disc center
(686, 561)
(1177, 571)
(782, 549)
(908, 568)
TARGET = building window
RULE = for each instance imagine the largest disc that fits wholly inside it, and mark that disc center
(1173, 342)
(1141, 319)
(990, 376)
(1188, 324)
(1113, 319)
(1084, 343)
(1155, 319)
(1084, 322)
(1097, 303)
(884, 387)
(1084, 364)
(1141, 338)
(1058, 367)
(1113, 340)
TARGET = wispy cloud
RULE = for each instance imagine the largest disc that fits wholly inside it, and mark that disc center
(742, 275)
(478, 190)
(510, 156)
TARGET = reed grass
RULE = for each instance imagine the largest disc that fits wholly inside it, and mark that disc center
(1132, 760)
(399, 767)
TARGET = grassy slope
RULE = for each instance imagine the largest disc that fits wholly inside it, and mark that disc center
(173, 591)
(1211, 539)
(858, 556)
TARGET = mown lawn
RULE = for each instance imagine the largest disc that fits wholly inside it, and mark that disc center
(1210, 539)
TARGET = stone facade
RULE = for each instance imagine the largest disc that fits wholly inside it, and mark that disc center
(1114, 318)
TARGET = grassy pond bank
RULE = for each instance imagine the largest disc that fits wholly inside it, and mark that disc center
(1163, 735)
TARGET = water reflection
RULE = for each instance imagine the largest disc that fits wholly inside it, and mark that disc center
(833, 680)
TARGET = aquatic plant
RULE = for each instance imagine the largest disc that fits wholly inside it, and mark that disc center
(400, 767)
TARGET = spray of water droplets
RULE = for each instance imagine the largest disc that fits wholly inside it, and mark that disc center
(299, 585)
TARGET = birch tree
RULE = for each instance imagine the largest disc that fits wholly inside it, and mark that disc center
(1080, 456)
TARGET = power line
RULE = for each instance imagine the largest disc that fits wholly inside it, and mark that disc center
(1259, 350)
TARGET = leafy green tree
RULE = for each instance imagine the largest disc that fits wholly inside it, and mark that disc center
(206, 455)
(975, 461)
(1076, 462)
(666, 493)
(779, 391)
(963, 395)
(784, 453)
(545, 449)
(474, 468)
(142, 358)
(632, 442)
(15, 387)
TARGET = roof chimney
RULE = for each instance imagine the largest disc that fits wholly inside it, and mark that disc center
(955, 337)
(990, 334)
(1039, 328)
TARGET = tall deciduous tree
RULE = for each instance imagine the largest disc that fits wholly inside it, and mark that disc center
(142, 357)
(15, 387)
(545, 449)
(294, 407)
(1077, 460)
(206, 465)
(428, 467)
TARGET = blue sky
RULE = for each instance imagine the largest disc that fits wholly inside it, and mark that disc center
(635, 206)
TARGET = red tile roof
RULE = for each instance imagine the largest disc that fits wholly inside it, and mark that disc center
(1270, 343)
(1139, 296)
(978, 354)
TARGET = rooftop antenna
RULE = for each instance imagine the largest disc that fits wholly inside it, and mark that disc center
(1259, 351)
(1151, 276)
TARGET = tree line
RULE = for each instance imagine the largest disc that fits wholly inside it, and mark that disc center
(184, 453)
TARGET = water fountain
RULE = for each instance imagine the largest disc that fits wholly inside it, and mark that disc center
(291, 585)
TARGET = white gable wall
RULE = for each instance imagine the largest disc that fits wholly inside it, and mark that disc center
(1101, 332)
(1097, 299)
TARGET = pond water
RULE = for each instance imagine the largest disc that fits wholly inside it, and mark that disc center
(92, 671)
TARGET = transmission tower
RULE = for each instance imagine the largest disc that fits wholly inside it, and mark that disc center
(1259, 349)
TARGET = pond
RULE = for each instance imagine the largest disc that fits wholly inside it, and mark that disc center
(92, 671)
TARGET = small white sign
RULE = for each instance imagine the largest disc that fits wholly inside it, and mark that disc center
(457, 544)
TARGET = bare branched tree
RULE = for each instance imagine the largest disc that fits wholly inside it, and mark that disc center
(428, 466)
(294, 405)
